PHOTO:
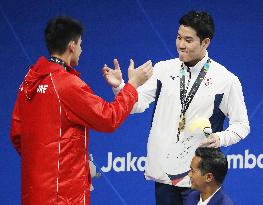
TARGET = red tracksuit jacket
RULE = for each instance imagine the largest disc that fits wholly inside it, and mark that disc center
(51, 118)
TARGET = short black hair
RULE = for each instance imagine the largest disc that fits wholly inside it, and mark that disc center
(60, 31)
(212, 161)
(201, 22)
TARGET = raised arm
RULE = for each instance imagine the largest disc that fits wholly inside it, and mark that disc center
(85, 108)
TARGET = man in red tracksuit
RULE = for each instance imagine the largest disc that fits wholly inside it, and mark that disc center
(52, 116)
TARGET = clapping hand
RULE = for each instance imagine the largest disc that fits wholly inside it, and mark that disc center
(113, 76)
(137, 76)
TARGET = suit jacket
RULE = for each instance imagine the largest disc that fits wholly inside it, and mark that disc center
(219, 198)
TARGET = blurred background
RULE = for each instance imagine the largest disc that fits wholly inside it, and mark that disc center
(141, 30)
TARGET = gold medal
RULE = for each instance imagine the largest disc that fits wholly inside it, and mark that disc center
(182, 123)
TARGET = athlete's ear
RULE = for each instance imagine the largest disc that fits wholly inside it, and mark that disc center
(205, 43)
(71, 46)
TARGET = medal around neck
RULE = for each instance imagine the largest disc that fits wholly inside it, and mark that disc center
(182, 123)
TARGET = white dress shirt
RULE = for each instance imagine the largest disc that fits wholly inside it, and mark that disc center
(205, 202)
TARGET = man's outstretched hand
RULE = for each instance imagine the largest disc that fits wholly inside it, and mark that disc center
(140, 75)
(137, 76)
(113, 77)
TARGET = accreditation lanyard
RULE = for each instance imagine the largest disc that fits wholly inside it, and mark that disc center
(60, 62)
(187, 99)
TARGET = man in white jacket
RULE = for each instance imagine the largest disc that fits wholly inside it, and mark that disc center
(184, 89)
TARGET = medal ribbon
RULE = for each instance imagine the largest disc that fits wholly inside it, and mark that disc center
(186, 100)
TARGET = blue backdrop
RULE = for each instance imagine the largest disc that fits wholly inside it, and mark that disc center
(141, 30)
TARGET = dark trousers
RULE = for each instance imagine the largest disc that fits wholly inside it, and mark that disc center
(166, 194)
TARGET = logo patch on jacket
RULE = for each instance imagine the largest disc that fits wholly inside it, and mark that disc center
(42, 88)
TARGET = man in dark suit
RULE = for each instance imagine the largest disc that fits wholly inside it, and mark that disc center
(208, 170)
